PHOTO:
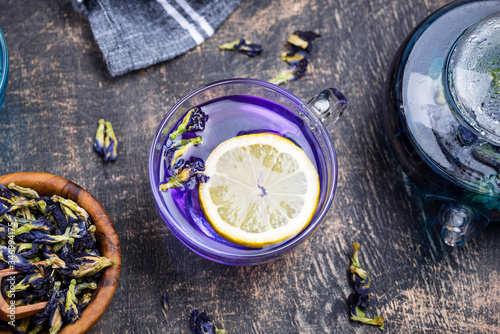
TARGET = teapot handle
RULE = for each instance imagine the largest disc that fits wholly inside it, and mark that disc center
(328, 105)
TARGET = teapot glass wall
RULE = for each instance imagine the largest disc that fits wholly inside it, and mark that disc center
(433, 130)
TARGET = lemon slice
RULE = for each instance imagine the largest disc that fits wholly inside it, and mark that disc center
(262, 189)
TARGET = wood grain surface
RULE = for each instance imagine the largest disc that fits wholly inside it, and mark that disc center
(59, 87)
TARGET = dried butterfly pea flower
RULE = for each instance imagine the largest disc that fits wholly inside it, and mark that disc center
(201, 323)
(293, 57)
(67, 255)
(26, 192)
(4, 231)
(84, 300)
(177, 149)
(56, 319)
(78, 230)
(36, 329)
(294, 72)
(110, 144)
(71, 312)
(73, 206)
(22, 203)
(5, 199)
(240, 45)
(59, 250)
(51, 304)
(99, 137)
(34, 248)
(298, 58)
(303, 39)
(362, 287)
(355, 260)
(164, 301)
(360, 316)
(56, 240)
(360, 298)
(52, 259)
(22, 248)
(42, 206)
(84, 286)
(11, 221)
(16, 261)
(194, 120)
(62, 223)
(21, 326)
(88, 266)
(31, 296)
(34, 280)
(41, 224)
(186, 175)
(105, 142)
(85, 244)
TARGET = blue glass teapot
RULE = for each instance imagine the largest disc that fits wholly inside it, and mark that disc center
(443, 118)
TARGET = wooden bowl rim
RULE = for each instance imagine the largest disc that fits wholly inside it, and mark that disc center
(107, 239)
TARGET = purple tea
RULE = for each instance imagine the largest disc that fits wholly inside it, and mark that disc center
(228, 117)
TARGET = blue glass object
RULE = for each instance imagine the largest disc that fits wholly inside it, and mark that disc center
(443, 115)
(4, 67)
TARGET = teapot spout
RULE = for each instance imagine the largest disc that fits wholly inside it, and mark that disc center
(457, 222)
(329, 105)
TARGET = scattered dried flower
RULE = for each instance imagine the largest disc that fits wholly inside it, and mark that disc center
(110, 143)
(303, 39)
(297, 58)
(360, 299)
(294, 72)
(202, 324)
(240, 45)
(99, 138)
(164, 301)
(105, 142)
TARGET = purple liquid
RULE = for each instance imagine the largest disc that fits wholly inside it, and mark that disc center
(229, 117)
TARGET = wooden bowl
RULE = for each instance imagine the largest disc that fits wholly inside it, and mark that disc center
(107, 239)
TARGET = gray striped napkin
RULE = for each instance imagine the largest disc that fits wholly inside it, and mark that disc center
(134, 34)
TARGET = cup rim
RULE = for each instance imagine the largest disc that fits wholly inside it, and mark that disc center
(263, 255)
(4, 61)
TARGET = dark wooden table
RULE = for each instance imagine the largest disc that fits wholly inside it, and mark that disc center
(59, 87)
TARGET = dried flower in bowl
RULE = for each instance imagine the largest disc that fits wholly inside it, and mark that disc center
(72, 240)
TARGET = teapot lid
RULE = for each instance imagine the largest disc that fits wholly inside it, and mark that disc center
(473, 78)
(450, 95)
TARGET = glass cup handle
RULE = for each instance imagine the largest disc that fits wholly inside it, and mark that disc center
(328, 106)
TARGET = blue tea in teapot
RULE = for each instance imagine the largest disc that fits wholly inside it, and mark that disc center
(443, 115)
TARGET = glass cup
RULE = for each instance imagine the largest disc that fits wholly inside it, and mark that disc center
(319, 114)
